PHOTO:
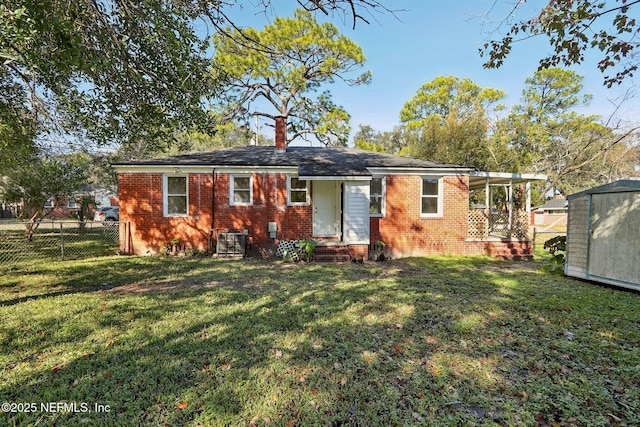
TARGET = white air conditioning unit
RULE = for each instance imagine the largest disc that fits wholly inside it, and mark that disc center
(231, 244)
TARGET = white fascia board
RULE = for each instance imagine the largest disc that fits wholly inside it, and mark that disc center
(507, 175)
(182, 169)
(177, 169)
(248, 170)
(336, 178)
(420, 171)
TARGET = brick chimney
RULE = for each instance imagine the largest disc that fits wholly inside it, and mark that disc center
(281, 134)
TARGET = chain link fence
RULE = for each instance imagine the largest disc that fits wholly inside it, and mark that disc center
(57, 240)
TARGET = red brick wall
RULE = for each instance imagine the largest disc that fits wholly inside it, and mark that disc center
(269, 205)
(141, 205)
(406, 233)
(403, 230)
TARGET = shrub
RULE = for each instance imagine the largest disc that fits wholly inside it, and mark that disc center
(557, 247)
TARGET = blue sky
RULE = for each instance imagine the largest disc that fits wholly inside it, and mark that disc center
(426, 39)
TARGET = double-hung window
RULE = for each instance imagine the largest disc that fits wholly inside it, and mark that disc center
(298, 191)
(376, 197)
(431, 197)
(175, 196)
(241, 191)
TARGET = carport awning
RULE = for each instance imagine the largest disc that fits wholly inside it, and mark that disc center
(478, 180)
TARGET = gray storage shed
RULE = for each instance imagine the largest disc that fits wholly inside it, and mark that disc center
(603, 234)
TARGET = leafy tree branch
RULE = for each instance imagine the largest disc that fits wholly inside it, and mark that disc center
(572, 28)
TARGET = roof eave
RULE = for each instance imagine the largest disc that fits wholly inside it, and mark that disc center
(437, 170)
(479, 179)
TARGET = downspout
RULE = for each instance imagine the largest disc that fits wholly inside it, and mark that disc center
(567, 239)
(213, 210)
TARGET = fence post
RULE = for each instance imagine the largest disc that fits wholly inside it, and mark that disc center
(535, 230)
(61, 242)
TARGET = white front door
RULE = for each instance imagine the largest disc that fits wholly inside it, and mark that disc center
(326, 205)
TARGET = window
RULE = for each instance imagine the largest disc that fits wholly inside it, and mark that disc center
(376, 197)
(298, 191)
(175, 195)
(241, 191)
(431, 197)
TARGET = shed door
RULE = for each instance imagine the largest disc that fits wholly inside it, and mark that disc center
(615, 225)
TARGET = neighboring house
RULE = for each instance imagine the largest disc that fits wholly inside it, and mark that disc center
(603, 234)
(346, 199)
(8, 210)
(61, 208)
(553, 212)
(103, 195)
(66, 207)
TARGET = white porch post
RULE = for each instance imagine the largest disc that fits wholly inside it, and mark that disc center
(528, 210)
(511, 213)
(487, 208)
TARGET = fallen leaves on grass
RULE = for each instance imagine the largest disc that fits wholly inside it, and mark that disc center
(460, 343)
(58, 368)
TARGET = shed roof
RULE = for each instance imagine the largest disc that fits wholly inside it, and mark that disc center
(623, 185)
(310, 161)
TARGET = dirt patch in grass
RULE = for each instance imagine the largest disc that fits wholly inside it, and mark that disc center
(165, 285)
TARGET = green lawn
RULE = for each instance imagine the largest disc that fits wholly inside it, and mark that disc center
(196, 341)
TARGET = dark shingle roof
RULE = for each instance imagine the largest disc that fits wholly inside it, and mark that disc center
(553, 204)
(311, 161)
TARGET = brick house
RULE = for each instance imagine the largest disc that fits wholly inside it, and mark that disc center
(344, 198)
(553, 212)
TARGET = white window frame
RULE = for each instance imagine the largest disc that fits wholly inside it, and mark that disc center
(440, 202)
(383, 198)
(72, 203)
(232, 180)
(165, 195)
(307, 198)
